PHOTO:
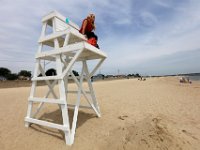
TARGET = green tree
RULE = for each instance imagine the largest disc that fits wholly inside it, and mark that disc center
(12, 76)
(4, 72)
(137, 75)
(51, 72)
(24, 73)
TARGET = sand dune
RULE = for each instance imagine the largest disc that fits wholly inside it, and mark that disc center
(159, 113)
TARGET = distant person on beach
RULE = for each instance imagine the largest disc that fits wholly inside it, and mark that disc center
(87, 28)
(185, 80)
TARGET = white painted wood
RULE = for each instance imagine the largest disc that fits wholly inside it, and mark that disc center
(61, 85)
(42, 103)
(60, 17)
(64, 50)
(34, 84)
(76, 108)
(50, 89)
(47, 82)
(68, 47)
(73, 47)
(71, 62)
(48, 124)
(44, 26)
(38, 109)
(66, 40)
(85, 95)
(97, 67)
(47, 100)
(51, 15)
(91, 89)
(52, 36)
(46, 78)
(60, 25)
(95, 50)
(74, 38)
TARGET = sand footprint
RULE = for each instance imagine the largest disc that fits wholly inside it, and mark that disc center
(189, 134)
(122, 117)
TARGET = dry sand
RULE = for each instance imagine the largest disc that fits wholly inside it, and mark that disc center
(159, 113)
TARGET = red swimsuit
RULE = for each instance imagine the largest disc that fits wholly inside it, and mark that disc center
(89, 26)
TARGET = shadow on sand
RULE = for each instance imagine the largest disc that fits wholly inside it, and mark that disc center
(56, 117)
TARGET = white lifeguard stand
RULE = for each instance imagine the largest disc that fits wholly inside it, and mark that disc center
(68, 47)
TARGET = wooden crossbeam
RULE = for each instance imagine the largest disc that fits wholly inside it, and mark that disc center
(97, 67)
(73, 60)
(47, 124)
(47, 100)
(85, 95)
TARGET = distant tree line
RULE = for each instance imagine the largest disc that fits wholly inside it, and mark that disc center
(8, 75)
(24, 74)
(134, 75)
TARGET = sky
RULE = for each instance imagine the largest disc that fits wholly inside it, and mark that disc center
(150, 37)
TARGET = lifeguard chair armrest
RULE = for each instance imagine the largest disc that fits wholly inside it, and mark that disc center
(53, 36)
(61, 17)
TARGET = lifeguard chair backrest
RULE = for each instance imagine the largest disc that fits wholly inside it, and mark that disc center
(54, 23)
(61, 22)
(63, 25)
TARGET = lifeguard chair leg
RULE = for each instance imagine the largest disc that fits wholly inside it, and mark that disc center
(76, 108)
(32, 93)
(64, 108)
(91, 89)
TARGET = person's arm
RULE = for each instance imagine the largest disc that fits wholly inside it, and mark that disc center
(84, 26)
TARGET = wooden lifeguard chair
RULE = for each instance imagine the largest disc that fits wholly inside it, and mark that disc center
(68, 47)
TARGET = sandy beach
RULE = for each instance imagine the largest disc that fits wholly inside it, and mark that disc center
(156, 114)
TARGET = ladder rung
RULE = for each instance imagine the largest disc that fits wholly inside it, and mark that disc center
(47, 100)
(46, 78)
(48, 124)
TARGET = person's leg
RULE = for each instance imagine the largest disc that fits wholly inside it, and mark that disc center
(91, 35)
(88, 34)
(97, 46)
(94, 35)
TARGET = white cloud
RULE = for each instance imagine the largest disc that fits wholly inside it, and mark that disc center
(163, 3)
(143, 36)
(181, 33)
(148, 19)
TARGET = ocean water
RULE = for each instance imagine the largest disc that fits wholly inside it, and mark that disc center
(194, 78)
